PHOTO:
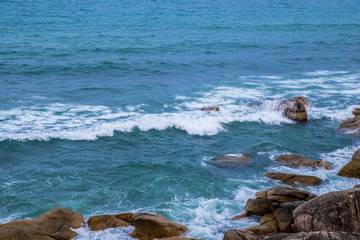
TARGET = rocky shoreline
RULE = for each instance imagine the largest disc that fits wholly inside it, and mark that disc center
(286, 212)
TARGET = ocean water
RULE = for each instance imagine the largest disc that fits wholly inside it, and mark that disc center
(99, 104)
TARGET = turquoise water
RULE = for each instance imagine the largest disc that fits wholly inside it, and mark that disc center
(99, 104)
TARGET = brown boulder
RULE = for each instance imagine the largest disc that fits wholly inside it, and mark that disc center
(299, 161)
(216, 109)
(240, 216)
(233, 234)
(352, 168)
(295, 180)
(232, 159)
(102, 222)
(352, 124)
(267, 225)
(177, 238)
(333, 211)
(258, 206)
(294, 108)
(149, 226)
(286, 194)
(55, 224)
(321, 235)
(283, 213)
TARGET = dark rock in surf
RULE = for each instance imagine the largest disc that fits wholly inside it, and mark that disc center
(299, 161)
(232, 159)
(294, 108)
(294, 179)
(352, 168)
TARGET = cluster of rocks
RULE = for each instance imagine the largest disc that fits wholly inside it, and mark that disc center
(58, 224)
(288, 213)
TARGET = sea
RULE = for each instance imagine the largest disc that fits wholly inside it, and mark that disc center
(100, 104)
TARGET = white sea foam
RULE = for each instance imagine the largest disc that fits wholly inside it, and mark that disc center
(325, 73)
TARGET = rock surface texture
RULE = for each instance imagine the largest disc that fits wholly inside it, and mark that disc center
(102, 222)
(233, 234)
(299, 161)
(352, 124)
(149, 227)
(294, 179)
(294, 108)
(232, 159)
(55, 224)
(333, 212)
(352, 168)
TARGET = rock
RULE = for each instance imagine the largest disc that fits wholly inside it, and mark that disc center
(357, 186)
(321, 235)
(55, 224)
(352, 124)
(240, 216)
(276, 236)
(294, 108)
(356, 112)
(233, 234)
(286, 194)
(232, 159)
(258, 206)
(254, 104)
(177, 238)
(260, 194)
(216, 109)
(299, 161)
(267, 225)
(102, 222)
(149, 226)
(295, 180)
(283, 213)
(352, 168)
(333, 211)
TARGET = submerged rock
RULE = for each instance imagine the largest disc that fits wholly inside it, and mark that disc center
(294, 160)
(102, 222)
(333, 211)
(352, 168)
(352, 124)
(294, 108)
(55, 224)
(295, 180)
(149, 226)
(216, 109)
(232, 159)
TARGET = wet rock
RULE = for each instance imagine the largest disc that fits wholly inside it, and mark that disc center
(55, 224)
(352, 168)
(149, 226)
(233, 234)
(352, 124)
(294, 108)
(240, 216)
(102, 222)
(283, 213)
(320, 235)
(207, 109)
(286, 194)
(232, 159)
(295, 180)
(254, 104)
(299, 161)
(267, 225)
(333, 211)
(177, 238)
(258, 206)
(356, 112)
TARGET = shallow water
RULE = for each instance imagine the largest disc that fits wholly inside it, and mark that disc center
(99, 104)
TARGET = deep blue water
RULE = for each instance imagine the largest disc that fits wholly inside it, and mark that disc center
(99, 104)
